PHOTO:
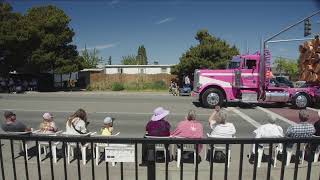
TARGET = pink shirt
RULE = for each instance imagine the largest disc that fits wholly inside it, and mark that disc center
(188, 129)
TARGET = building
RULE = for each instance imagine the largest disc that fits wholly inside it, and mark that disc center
(138, 69)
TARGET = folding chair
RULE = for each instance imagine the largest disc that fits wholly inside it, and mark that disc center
(277, 148)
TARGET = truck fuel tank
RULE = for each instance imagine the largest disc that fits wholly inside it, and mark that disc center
(277, 96)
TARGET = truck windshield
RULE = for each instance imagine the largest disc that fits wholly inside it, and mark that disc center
(234, 65)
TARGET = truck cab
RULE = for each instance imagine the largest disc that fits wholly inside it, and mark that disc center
(242, 82)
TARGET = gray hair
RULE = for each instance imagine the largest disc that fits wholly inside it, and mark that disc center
(221, 117)
(272, 119)
(303, 115)
(191, 115)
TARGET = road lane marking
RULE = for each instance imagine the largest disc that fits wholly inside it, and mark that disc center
(313, 109)
(245, 117)
(276, 115)
(110, 112)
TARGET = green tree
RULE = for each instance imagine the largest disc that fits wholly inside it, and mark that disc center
(211, 52)
(142, 55)
(90, 58)
(129, 60)
(287, 66)
(51, 39)
(13, 40)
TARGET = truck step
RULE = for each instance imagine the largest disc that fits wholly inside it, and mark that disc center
(249, 97)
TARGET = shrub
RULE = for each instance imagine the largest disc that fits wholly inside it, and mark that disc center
(159, 85)
(117, 86)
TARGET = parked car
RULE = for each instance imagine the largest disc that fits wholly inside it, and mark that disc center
(284, 80)
(275, 83)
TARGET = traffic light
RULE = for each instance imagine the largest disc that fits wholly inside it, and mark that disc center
(307, 27)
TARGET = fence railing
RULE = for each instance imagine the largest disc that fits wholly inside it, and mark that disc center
(9, 155)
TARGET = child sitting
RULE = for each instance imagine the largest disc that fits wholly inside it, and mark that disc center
(48, 125)
(107, 128)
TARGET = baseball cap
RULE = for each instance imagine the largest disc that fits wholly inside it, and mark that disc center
(107, 120)
(8, 114)
(47, 116)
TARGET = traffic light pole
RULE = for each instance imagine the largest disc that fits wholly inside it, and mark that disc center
(263, 47)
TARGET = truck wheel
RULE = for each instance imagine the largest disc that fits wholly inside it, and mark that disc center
(212, 97)
(301, 101)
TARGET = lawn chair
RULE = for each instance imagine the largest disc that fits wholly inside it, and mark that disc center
(45, 144)
(161, 147)
(221, 148)
(72, 145)
(102, 145)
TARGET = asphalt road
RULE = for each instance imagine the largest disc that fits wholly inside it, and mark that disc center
(133, 110)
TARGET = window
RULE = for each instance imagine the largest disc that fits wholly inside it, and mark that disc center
(250, 64)
(141, 71)
(163, 70)
(120, 70)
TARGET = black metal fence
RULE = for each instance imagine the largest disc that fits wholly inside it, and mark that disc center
(151, 165)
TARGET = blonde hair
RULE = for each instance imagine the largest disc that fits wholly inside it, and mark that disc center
(221, 117)
(191, 115)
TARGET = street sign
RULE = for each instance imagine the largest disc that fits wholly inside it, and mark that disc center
(119, 153)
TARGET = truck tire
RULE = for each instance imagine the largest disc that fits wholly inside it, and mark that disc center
(301, 101)
(212, 97)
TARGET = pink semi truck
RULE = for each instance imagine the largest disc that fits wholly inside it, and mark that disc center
(246, 80)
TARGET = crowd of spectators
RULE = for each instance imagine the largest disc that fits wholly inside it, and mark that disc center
(16, 85)
(159, 126)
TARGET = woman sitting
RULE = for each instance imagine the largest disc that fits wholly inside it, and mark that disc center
(221, 128)
(77, 123)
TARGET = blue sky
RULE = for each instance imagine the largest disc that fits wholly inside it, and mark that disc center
(167, 28)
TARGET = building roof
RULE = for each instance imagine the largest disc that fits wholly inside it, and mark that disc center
(92, 70)
(140, 66)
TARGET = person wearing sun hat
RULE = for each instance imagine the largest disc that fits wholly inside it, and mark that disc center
(48, 125)
(157, 126)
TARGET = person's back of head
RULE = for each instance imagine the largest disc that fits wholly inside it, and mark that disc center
(303, 115)
(272, 119)
(221, 117)
(191, 115)
(80, 113)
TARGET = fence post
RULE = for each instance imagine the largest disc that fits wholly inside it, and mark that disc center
(151, 164)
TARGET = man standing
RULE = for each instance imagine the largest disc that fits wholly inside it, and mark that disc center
(302, 129)
(11, 124)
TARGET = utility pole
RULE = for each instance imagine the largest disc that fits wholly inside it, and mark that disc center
(262, 51)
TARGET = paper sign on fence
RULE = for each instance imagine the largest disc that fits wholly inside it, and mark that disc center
(120, 153)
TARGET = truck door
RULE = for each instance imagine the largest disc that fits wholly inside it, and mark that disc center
(249, 75)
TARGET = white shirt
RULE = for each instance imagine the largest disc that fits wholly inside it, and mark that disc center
(79, 124)
(226, 130)
(268, 131)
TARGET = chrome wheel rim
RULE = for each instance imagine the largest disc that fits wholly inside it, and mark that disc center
(301, 101)
(213, 99)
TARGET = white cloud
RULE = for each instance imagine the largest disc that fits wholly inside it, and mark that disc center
(165, 20)
(99, 47)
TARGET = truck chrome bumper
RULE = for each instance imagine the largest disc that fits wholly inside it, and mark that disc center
(195, 96)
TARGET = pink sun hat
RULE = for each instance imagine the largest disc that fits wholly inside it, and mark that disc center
(159, 113)
(47, 116)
